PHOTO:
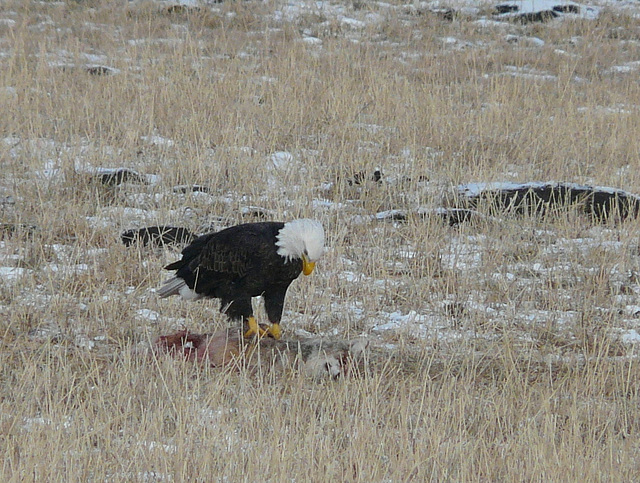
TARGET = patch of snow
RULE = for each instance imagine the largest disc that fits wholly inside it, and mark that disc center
(504, 276)
(489, 23)
(141, 476)
(153, 445)
(50, 170)
(616, 109)
(527, 73)
(535, 6)
(30, 424)
(68, 269)
(84, 342)
(11, 140)
(215, 415)
(148, 314)
(9, 92)
(536, 41)
(399, 320)
(390, 214)
(449, 40)
(632, 310)
(626, 68)
(360, 220)
(312, 40)
(461, 255)
(474, 189)
(135, 42)
(282, 159)
(351, 277)
(12, 273)
(630, 336)
(353, 23)
(96, 59)
(373, 128)
(331, 205)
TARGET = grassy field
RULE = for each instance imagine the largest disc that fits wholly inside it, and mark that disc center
(502, 350)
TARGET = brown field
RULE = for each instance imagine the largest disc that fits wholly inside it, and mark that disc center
(503, 350)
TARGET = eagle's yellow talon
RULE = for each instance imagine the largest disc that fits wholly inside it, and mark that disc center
(254, 328)
(275, 331)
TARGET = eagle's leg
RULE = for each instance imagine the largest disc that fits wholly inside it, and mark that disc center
(254, 328)
(273, 304)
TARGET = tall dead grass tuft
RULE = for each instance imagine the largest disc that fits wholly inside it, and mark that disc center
(500, 350)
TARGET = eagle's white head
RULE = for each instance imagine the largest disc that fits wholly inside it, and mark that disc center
(302, 239)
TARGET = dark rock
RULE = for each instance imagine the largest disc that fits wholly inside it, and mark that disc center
(454, 309)
(392, 215)
(454, 216)
(533, 17)
(569, 8)
(450, 216)
(362, 177)
(255, 212)
(542, 198)
(115, 177)
(510, 11)
(182, 9)
(194, 188)
(10, 229)
(447, 14)
(158, 235)
(100, 70)
(506, 8)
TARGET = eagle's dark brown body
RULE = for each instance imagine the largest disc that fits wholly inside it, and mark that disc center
(236, 264)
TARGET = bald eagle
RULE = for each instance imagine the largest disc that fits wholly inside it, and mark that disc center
(244, 261)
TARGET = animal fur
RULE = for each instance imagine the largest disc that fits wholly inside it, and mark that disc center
(315, 357)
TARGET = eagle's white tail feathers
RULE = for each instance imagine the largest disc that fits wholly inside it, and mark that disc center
(177, 286)
(170, 287)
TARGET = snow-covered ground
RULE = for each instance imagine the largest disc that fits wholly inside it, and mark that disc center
(401, 125)
(140, 196)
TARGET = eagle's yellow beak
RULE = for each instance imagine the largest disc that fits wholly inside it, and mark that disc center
(307, 266)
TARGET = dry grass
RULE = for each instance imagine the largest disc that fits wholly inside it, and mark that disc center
(510, 363)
